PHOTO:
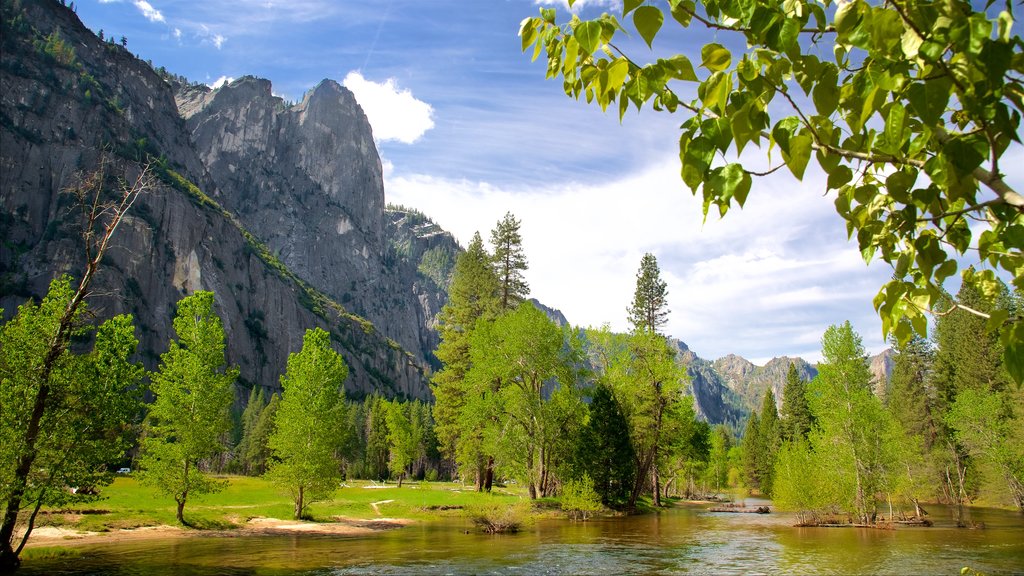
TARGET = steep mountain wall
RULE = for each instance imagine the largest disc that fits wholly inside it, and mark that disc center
(306, 179)
(67, 98)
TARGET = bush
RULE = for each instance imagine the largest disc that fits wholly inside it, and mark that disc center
(579, 499)
(499, 518)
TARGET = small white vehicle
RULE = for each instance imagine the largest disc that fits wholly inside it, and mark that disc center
(124, 470)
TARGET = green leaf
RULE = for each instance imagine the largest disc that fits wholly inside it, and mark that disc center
(826, 90)
(648, 20)
(630, 5)
(799, 154)
(730, 181)
(683, 12)
(928, 99)
(616, 75)
(588, 34)
(715, 57)
(528, 32)
(839, 177)
(548, 14)
(696, 156)
(683, 69)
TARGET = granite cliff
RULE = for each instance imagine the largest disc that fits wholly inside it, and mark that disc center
(279, 210)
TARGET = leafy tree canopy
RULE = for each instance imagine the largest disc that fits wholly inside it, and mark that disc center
(909, 107)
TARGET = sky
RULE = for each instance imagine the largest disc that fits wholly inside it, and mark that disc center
(468, 129)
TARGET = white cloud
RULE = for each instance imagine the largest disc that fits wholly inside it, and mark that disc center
(764, 281)
(220, 82)
(394, 113)
(151, 14)
(177, 33)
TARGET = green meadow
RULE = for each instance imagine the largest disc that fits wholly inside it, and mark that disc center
(126, 504)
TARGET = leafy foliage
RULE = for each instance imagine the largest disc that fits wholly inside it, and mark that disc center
(908, 107)
(193, 389)
(92, 397)
(306, 433)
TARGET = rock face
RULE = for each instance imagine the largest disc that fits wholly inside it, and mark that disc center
(68, 97)
(306, 179)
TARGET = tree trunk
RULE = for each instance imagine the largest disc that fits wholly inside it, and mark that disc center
(656, 480)
(299, 503)
(489, 474)
(400, 477)
(180, 515)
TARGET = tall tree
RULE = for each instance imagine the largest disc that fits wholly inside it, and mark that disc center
(856, 440)
(796, 418)
(401, 442)
(717, 473)
(521, 363)
(509, 263)
(93, 396)
(752, 450)
(912, 403)
(191, 412)
(771, 439)
(307, 425)
(472, 297)
(250, 418)
(913, 159)
(649, 308)
(650, 388)
(102, 212)
(604, 451)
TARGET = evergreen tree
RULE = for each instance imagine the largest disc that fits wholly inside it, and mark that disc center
(306, 427)
(250, 418)
(472, 298)
(752, 449)
(257, 451)
(509, 263)
(796, 417)
(648, 310)
(604, 450)
(770, 439)
(191, 413)
(401, 442)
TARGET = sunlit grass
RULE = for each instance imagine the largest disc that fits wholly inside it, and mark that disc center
(126, 504)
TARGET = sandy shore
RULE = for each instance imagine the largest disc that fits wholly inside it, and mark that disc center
(340, 526)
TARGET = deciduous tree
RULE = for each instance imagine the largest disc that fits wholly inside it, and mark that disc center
(191, 412)
(308, 423)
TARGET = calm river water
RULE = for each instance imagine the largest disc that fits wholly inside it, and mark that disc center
(683, 540)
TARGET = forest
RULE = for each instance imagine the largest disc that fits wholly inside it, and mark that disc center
(589, 414)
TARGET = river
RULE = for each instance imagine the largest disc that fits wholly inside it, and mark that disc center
(682, 540)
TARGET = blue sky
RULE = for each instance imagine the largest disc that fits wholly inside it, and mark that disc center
(468, 128)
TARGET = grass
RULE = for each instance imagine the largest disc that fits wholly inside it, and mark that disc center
(127, 504)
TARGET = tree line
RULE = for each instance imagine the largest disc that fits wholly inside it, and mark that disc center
(948, 426)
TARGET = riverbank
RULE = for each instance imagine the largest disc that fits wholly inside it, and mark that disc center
(127, 511)
(50, 536)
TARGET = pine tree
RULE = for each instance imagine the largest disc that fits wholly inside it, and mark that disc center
(796, 416)
(604, 450)
(648, 311)
(752, 448)
(771, 439)
(509, 263)
(472, 298)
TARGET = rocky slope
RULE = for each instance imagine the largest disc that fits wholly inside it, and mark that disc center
(68, 98)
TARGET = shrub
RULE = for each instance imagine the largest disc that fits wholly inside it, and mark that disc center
(579, 499)
(497, 518)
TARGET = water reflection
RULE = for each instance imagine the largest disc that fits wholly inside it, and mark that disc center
(687, 539)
